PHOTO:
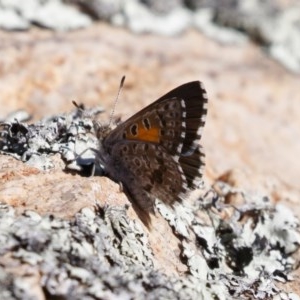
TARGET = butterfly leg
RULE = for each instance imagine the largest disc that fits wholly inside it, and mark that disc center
(121, 188)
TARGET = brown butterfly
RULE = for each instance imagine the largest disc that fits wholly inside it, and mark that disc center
(156, 152)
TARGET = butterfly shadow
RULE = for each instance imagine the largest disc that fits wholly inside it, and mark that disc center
(143, 215)
(89, 168)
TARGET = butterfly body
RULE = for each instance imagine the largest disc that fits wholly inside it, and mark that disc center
(156, 152)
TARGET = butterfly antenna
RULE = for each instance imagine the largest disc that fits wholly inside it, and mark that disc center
(116, 101)
(80, 108)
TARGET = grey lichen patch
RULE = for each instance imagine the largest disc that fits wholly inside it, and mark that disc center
(244, 249)
(129, 236)
(68, 135)
(100, 254)
(179, 218)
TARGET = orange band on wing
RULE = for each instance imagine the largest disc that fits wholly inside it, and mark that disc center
(147, 135)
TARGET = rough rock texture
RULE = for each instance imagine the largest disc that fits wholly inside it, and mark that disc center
(236, 243)
(102, 253)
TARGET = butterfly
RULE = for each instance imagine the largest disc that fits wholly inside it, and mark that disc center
(156, 152)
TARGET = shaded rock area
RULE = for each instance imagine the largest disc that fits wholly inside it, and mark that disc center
(67, 235)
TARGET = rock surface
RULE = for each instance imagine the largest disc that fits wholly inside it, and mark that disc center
(251, 146)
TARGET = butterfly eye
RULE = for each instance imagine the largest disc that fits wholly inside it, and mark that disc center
(146, 147)
(137, 162)
(134, 129)
(146, 124)
(157, 176)
(125, 149)
(167, 106)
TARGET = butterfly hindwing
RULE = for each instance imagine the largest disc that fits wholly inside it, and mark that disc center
(148, 172)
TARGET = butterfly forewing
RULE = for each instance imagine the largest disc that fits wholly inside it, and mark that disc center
(162, 123)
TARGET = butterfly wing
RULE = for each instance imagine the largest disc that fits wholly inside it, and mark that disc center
(147, 172)
(171, 129)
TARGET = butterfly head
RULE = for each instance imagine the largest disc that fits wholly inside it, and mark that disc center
(101, 130)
